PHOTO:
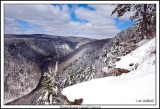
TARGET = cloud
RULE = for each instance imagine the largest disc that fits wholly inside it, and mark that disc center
(100, 16)
(102, 24)
(10, 25)
(38, 14)
(56, 20)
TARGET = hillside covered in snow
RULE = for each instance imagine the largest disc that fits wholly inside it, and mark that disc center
(135, 87)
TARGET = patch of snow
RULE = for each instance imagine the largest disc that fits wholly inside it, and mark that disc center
(137, 56)
(135, 87)
(107, 70)
(77, 47)
(141, 42)
(65, 46)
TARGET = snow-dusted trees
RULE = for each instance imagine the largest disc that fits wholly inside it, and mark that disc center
(114, 52)
(50, 88)
(104, 55)
(70, 77)
(145, 14)
(90, 71)
(79, 74)
(109, 55)
(50, 85)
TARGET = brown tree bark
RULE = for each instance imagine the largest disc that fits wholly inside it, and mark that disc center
(144, 25)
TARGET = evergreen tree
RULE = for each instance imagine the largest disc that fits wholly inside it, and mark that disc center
(113, 53)
(145, 14)
(50, 85)
(104, 55)
(90, 70)
(70, 77)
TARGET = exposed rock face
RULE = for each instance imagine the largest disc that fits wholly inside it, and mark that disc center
(75, 102)
(121, 71)
(114, 71)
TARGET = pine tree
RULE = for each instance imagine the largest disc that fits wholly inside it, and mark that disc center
(113, 53)
(145, 14)
(50, 85)
(90, 70)
(104, 56)
(70, 77)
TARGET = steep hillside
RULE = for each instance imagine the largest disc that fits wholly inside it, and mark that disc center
(90, 65)
(135, 87)
(26, 57)
(86, 49)
(100, 56)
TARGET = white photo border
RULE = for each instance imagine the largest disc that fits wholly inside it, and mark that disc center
(80, 2)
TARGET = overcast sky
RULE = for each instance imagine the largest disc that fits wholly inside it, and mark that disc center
(84, 20)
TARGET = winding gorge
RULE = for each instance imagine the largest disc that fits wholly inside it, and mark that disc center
(28, 57)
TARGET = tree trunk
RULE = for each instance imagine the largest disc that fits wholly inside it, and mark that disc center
(144, 25)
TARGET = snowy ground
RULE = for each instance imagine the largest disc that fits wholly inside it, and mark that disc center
(136, 87)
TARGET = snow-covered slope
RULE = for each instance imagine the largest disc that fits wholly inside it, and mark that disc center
(135, 87)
